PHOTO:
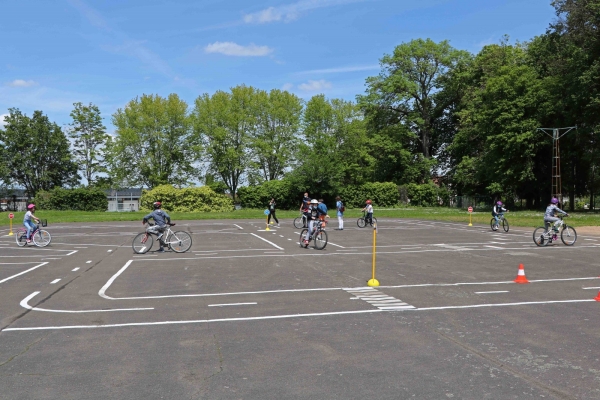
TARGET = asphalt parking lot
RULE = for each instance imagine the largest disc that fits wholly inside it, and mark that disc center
(248, 314)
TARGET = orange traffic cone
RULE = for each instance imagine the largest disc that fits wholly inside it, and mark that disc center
(521, 275)
(597, 298)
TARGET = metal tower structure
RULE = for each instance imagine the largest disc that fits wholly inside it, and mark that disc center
(556, 134)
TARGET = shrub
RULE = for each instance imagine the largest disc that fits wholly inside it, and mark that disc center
(383, 194)
(425, 195)
(202, 199)
(81, 199)
(259, 196)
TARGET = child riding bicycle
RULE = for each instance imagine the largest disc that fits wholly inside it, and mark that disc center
(161, 219)
(313, 213)
(369, 209)
(498, 212)
(550, 215)
(27, 221)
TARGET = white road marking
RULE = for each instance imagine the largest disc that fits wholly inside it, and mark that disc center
(497, 291)
(271, 243)
(25, 304)
(76, 247)
(73, 252)
(505, 304)
(336, 245)
(109, 251)
(591, 288)
(75, 269)
(55, 281)
(88, 262)
(24, 272)
(494, 247)
(230, 304)
(239, 227)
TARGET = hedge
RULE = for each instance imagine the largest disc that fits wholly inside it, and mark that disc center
(82, 199)
(193, 199)
(259, 196)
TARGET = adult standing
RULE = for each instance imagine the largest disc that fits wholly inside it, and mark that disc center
(272, 205)
(339, 206)
(305, 203)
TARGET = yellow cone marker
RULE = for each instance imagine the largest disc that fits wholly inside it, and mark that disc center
(267, 212)
(373, 281)
(11, 216)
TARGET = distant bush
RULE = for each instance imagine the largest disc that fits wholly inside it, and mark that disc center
(424, 195)
(81, 199)
(382, 194)
(259, 196)
(193, 199)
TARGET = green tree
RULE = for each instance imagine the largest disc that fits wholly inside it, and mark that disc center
(225, 123)
(274, 142)
(36, 153)
(89, 140)
(153, 143)
(407, 88)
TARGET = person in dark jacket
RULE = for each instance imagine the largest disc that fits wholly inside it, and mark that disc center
(161, 219)
(272, 205)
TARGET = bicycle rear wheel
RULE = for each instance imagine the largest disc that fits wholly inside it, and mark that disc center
(180, 242)
(299, 223)
(320, 240)
(540, 238)
(570, 237)
(373, 221)
(505, 225)
(42, 238)
(302, 236)
(361, 222)
(493, 224)
(142, 243)
(21, 237)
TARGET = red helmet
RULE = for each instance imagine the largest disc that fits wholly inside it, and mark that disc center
(157, 204)
(29, 207)
(368, 201)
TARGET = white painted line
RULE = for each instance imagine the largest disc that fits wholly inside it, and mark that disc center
(590, 239)
(505, 304)
(24, 272)
(230, 304)
(73, 252)
(111, 280)
(271, 243)
(75, 269)
(109, 251)
(336, 245)
(239, 227)
(192, 321)
(494, 247)
(55, 281)
(76, 247)
(88, 262)
(48, 258)
(25, 301)
(206, 254)
(497, 291)
(591, 288)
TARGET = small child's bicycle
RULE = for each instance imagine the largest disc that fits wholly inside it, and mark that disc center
(179, 241)
(362, 221)
(318, 235)
(39, 237)
(501, 221)
(300, 222)
(543, 236)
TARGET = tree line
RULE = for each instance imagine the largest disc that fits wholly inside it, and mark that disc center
(470, 119)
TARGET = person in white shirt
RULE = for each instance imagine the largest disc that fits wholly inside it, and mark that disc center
(369, 209)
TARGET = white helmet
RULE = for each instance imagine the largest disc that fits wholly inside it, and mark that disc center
(314, 201)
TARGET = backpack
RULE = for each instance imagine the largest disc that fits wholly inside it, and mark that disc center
(342, 207)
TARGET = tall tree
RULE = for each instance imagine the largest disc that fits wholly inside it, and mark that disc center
(153, 144)
(36, 153)
(274, 142)
(225, 123)
(407, 88)
(90, 137)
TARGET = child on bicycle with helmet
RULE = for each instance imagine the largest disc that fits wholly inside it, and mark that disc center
(313, 213)
(161, 219)
(497, 212)
(369, 209)
(27, 221)
(550, 214)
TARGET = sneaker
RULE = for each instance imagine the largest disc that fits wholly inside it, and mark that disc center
(161, 250)
(28, 240)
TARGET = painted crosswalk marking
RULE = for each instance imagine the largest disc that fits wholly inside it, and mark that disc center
(379, 299)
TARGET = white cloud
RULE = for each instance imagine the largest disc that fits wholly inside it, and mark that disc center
(2, 123)
(234, 49)
(287, 86)
(315, 86)
(21, 83)
(291, 11)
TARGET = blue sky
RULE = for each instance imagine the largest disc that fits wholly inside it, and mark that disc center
(58, 52)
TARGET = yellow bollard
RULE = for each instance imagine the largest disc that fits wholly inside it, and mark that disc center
(470, 210)
(267, 212)
(11, 232)
(373, 281)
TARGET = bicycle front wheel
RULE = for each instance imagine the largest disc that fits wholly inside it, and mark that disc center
(493, 224)
(142, 243)
(505, 225)
(361, 222)
(42, 238)
(320, 240)
(540, 237)
(568, 235)
(302, 236)
(180, 242)
(21, 237)
(299, 223)
(373, 221)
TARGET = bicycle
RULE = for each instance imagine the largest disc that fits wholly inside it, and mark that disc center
(178, 241)
(501, 220)
(300, 222)
(362, 221)
(543, 236)
(318, 235)
(39, 237)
